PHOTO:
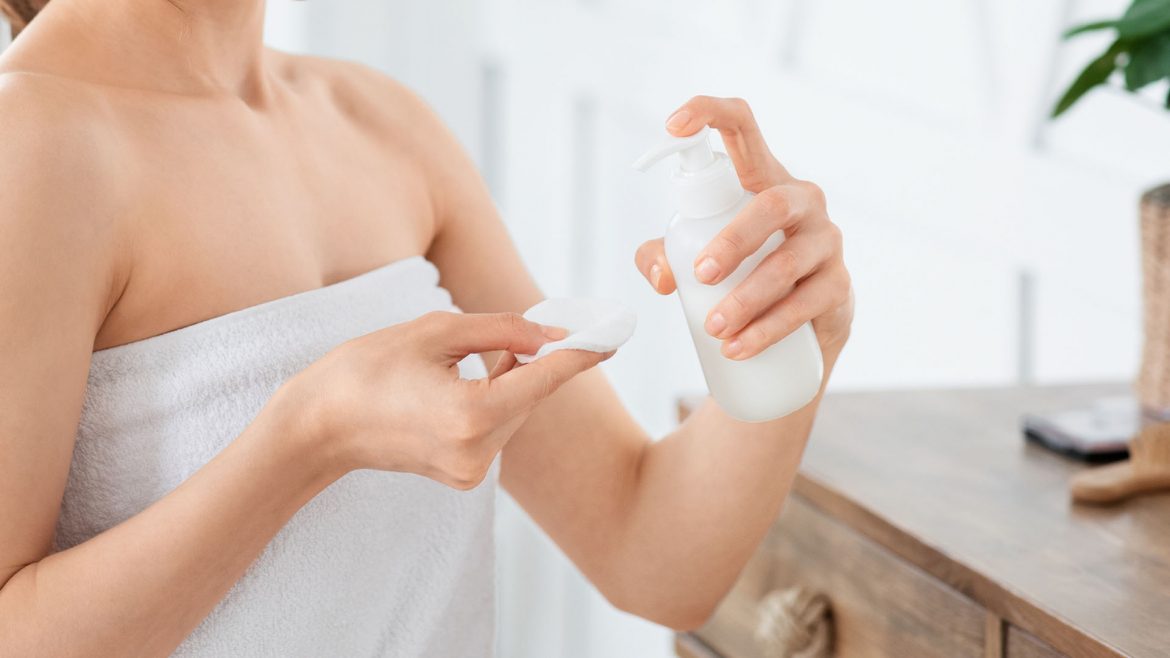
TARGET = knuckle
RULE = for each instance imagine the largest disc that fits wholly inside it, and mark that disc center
(436, 318)
(844, 285)
(756, 337)
(465, 469)
(467, 484)
(792, 313)
(775, 202)
(728, 243)
(814, 192)
(700, 100)
(756, 178)
(512, 323)
(472, 478)
(786, 265)
(735, 305)
(740, 106)
(837, 237)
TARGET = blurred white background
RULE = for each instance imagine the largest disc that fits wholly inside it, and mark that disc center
(988, 246)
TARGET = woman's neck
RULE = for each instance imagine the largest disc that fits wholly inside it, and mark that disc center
(179, 46)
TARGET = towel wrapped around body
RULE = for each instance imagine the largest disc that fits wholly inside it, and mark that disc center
(379, 564)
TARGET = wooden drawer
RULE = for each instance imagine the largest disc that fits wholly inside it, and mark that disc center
(1022, 644)
(880, 606)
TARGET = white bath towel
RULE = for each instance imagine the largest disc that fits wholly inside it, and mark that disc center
(379, 564)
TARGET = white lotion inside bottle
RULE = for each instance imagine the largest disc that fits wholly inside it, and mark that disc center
(787, 375)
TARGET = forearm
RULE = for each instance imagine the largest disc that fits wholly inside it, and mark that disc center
(704, 499)
(141, 587)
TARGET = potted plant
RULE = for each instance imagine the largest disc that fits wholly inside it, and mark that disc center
(1141, 50)
(1141, 53)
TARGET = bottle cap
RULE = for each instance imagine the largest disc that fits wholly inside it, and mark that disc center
(704, 182)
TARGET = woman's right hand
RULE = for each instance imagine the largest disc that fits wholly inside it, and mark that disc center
(393, 400)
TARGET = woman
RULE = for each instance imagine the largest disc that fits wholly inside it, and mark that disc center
(233, 420)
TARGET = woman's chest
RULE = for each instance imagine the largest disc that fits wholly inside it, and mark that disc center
(230, 214)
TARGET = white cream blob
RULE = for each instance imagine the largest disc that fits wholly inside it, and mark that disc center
(594, 325)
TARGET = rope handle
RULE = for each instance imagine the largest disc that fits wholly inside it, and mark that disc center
(794, 623)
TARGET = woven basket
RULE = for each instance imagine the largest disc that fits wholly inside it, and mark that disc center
(1153, 385)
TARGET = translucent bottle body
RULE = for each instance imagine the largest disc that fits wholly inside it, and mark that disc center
(774, 383)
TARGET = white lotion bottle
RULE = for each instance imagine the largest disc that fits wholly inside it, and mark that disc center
(706, 190)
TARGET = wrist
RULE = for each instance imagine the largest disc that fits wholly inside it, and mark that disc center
(293, 425)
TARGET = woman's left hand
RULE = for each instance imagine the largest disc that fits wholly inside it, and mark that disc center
(804, 279)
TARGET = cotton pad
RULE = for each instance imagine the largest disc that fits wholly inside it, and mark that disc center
(594, 325)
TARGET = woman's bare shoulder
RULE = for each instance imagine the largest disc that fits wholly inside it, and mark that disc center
(392, 115)
(26, 95)
(63, 194)
(63, 183)
(56, 135)
(370, 99)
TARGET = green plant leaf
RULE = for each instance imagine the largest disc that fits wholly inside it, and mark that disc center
(1090, 27)
(1148, 61)
(1144, 18)
(1097, 72)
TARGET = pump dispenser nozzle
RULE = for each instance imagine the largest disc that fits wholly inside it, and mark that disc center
(694, 152)
(704, 181)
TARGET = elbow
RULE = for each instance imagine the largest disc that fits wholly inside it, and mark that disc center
(679, 613)
(688, 620)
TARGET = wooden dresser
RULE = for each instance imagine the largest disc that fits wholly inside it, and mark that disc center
(930, 528)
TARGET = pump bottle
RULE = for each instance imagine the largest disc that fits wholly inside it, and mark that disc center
(787, 375)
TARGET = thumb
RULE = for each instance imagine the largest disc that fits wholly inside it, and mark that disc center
(520, 389)
(651, 262)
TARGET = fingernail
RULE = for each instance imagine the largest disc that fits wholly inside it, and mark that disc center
(732, 349)
(655, 275)
(553, 333)
(678, 120)
(716, 324)
(707, 270)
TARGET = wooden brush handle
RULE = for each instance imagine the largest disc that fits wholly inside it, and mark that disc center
(1116, 482)
(1147, 470)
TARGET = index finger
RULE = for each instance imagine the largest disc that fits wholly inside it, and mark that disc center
(758, 169)
(455, 335)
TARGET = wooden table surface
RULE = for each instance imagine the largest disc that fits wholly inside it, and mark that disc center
(945, 480)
